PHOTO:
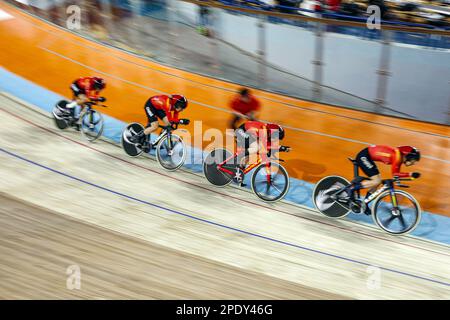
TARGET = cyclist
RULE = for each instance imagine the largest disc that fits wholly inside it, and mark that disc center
(244, 106)
(395, 156)
(256, 137)
(85, 89)
(162, 107)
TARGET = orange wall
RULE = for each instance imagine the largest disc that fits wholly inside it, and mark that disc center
(322, 137)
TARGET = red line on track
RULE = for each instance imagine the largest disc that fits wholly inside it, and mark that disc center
(209, 190)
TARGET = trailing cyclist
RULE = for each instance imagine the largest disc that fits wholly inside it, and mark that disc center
(84, 90)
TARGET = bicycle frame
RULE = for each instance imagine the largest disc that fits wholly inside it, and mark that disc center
(165, 133)
(388, 184)
(246, 170)
(87, 106)
(162, 135)
(250, 167)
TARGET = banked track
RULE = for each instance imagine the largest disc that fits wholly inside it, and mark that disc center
(300, 254)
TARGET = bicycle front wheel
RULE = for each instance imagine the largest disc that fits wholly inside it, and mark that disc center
(396, 214)
(270, 182)
(171, 154)
(92, 125)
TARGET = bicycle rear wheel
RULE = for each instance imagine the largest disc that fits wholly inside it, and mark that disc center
(212, 174)
(59, 114)
(171, 156)
(396, 221)
(322, 200)
(92, 125)
(270, 183)
(129, 147)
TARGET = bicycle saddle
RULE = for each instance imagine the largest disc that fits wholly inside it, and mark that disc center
(352, 160)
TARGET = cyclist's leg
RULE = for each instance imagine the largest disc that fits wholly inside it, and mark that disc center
(152, 124)
(246, 143)
(252, 150)
(144, 137)
(153, 115)
(369, 168)
(79, 97)
(152, 118)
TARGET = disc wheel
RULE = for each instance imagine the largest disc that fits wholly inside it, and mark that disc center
(61, 120)
(212, 174)
(130, 148)
(322, 197)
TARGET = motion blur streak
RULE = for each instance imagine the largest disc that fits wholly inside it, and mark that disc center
(215, 223)
(235, 198)
(314, 156)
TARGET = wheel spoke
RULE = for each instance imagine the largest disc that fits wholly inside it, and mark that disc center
(280, 191)
(386, 213)
(267, 186)
(402, 221)
(277, 181)
(390, 219)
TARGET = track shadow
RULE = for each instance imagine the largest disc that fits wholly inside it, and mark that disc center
(305, 170)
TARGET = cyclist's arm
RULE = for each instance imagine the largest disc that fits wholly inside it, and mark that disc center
(175, 118)
(396, 166)
(166, 121)
(92, 94)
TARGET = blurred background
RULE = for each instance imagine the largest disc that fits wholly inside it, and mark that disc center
(322, 51)
(334, 81)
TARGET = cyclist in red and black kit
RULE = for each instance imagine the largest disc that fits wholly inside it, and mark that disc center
(395, 156)
(162, 107)
(256, 137)
(85, 89)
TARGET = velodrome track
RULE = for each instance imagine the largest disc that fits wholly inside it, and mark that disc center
(322, 137)
(137, 231)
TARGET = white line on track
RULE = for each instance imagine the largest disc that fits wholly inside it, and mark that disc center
(209, 106)
(285, 104)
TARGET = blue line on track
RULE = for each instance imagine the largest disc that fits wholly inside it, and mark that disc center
(218, 224)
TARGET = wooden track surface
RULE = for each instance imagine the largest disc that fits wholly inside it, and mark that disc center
(322, 137)
(37, 246)
(118, 218)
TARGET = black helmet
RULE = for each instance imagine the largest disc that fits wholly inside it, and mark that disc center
(99, 83)
(179, 101)
(410, 153)
(273, 126)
